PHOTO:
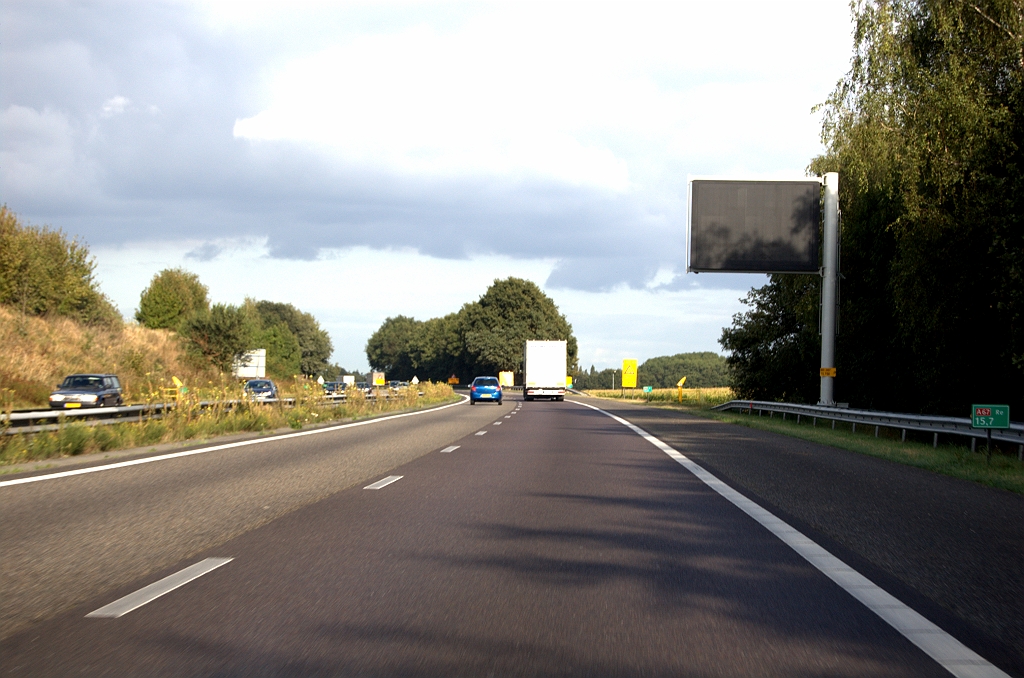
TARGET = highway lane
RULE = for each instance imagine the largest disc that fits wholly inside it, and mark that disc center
(558, 542)
(65, 540)
(953, 548)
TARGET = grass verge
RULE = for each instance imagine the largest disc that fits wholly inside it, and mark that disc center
(190, 422)
(1005, 471)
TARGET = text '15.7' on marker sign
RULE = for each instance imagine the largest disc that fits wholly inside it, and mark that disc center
(990, 416)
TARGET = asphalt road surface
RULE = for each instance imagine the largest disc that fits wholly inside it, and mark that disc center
(528, 539)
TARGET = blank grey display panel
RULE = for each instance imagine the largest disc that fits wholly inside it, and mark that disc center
(754, 226)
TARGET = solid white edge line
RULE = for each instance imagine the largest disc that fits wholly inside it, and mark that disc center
(383, 482)
(450, 448)
(148, 594)
(226, 446)
(946, 650)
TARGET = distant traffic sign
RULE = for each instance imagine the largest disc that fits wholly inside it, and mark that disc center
(990, 416)
(827, 372)
(648, 389)
(628, 374)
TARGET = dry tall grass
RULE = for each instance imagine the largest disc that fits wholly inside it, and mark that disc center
(37, 352)
(701, 398)
(191, 421)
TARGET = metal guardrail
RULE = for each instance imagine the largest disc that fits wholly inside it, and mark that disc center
(960, 426)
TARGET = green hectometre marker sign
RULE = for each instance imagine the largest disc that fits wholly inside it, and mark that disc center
(990, 416)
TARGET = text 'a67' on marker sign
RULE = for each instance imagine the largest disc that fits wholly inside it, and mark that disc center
(990, 416)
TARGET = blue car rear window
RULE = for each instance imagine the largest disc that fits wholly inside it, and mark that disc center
(486, 382)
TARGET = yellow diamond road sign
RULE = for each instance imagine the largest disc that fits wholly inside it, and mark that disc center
(628, 374)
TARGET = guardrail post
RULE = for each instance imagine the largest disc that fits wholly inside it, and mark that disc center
(876, 431)
(903, 437)
(974, 442)
(935, 441)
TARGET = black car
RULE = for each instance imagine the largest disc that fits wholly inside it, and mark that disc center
(87, 390)
(334, 388)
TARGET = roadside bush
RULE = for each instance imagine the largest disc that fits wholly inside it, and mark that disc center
(43, 272)
(72, 439)
(172, 295)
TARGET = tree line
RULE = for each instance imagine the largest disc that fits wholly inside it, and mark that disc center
(702, 370)
(926, 131)
(486, 336)
(221, 333)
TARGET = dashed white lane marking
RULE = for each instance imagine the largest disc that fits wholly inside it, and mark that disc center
(226, 446)
(481, 433)
(450, 448)
(497, 423)
(946, 650)
(383, 482)
(147, 594)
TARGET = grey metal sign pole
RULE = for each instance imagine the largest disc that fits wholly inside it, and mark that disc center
(829, 287)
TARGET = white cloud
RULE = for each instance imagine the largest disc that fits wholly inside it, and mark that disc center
(114, 106)
(605, 97)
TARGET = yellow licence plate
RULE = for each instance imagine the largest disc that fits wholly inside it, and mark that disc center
(72, 404)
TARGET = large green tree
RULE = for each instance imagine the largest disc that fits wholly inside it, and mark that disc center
(173, 295)
(394, 348)
(314, 342)
(220, 334)
(509, 313)
(925, 132)
(485, 336)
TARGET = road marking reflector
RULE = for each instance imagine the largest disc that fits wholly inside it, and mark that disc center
(450, 448)
(383, 482)
(148, 594)
(944, 649)
(481, 433)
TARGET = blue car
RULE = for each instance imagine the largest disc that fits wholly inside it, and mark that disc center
(260, 390)
(485, 388)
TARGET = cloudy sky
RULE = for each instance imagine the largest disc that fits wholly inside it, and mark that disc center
(365, 160)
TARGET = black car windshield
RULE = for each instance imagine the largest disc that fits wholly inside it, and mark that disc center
(486, 381)
(258, 384)
(83, 382)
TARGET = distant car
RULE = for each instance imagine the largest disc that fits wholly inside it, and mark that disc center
(364, 387)
(87, 390)
(260, 390)
(485, 388)
(333, 388)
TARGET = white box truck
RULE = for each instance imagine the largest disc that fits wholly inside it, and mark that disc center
(544, 364)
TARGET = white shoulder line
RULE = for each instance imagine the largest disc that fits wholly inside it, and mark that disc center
(226, 446)
(949, 652)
